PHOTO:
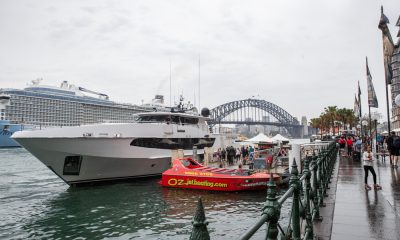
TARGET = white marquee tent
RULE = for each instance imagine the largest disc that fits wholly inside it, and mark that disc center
(279, 138)
(261, 137)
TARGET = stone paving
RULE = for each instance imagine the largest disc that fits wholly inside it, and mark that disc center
(362, 214)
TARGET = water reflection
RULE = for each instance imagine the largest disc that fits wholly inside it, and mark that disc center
(40, 206)
(142, 210)
(395, 183)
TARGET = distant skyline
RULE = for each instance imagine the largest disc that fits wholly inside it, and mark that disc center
(300, 55)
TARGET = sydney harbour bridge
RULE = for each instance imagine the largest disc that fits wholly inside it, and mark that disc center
(255, 112)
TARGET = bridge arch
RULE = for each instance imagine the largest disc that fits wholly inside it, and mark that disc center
(283, 117)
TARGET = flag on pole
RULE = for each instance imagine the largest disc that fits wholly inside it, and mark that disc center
(359, 100)
(372, 99)
(388, 47)
(356, 106)
(398, 24)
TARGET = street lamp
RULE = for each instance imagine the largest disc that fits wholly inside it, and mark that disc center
(375, 118)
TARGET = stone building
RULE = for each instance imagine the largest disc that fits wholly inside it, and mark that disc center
(395, 86)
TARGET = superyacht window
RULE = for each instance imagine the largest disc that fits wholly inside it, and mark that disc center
(167, 119)
(173, 143)
(72, 165)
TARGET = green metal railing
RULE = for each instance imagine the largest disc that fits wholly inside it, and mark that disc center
(308, 192)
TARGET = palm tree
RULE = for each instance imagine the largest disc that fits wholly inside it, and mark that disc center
(351, 118)
(331, 115)
(347, 117)
(325, 123)
(341, 116)
(316, 123)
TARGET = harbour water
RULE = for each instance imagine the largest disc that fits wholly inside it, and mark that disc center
(36, 204)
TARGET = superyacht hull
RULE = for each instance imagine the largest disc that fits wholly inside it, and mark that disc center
(115, 151)
(80, 160)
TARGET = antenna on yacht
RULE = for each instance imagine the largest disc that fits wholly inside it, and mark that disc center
(170, 84)
(199, 81)
(194, 97)
(194, 84)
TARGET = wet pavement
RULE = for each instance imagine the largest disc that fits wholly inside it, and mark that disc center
(362, 214)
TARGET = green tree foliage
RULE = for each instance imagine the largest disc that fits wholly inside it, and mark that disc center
(332, 118)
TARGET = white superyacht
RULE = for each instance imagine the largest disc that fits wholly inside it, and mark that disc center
(113, 151)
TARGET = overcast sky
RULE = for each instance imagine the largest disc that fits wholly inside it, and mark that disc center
(301, 55)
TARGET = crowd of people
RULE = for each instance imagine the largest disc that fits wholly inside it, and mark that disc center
(360, 149)
(230, 155)
(351, 146)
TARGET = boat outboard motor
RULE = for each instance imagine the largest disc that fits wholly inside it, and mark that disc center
(205, 112)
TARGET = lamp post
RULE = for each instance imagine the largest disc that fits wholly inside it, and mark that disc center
(374, 118)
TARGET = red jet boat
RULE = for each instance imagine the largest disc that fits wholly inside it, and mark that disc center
(187, 173)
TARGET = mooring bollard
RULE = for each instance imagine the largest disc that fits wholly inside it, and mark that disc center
(200, 231)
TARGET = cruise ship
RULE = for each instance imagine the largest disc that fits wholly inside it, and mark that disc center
(68, 105)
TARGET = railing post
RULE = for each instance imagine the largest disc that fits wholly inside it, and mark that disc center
(320, 181)
(199, 223)
(325, 172)
(315, 190)
(309, 224)
(273, 211)
(330, 165)
(295, 183)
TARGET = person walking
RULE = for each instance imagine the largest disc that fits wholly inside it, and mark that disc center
(349, 143)
(390, 148)
(342, 145)
(357, 150)
(368, 159)
(223, 156)
(237, 155)
(395, 151)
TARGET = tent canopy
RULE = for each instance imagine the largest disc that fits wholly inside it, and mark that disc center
(261, 137)
(279, 138)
